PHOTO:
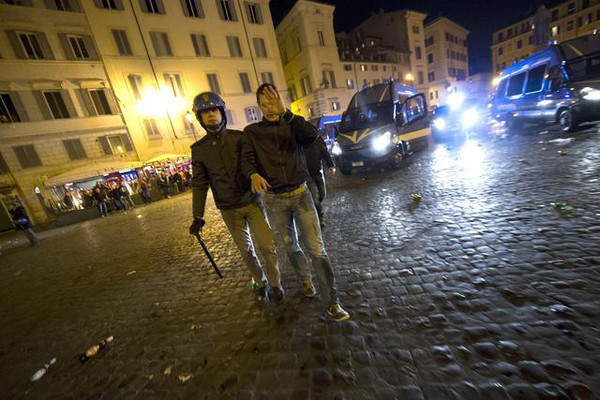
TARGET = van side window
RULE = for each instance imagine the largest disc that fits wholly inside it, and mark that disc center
(501, 90)
(535, 79)
(515, 85)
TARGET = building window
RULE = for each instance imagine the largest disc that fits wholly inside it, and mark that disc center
(252, 114)
(292, 92)
(436, 94)
(430, 58)
(31, 45)
(430, 95)
(78, 47)
(363, 67)
(259, 47)
(254, 14)
(115, 144)
(335, 106)
(152, 132)
(418, 52)
(509, 33)
(500, 36)
(100, 102)
(27, 156)
(235, 49)
(200, 45)
(431, 76)
(347, 67)
(530, 39)
(57, 105)
(571, 8)
(246, 88)
(555, 30)
(329, 79)
(570, 25)
(519, 44)
(305, 85)
(284, 56)
(74, 149)
(267, 77)
(3, 166)
(152, 6)
(8, 111)
(174, 82)
(109, 4)
(420, 78)
(62, 5)
(585, 3)
(122, 42)
(374, 67)
(554, 15)
(136, 85)
(226, 10)
(429, 41)
(160, 42)
(230, 117)
(192, 8)
(321, 38)
(415, 29)
(500, 51)
(213, 83)
(349, 83)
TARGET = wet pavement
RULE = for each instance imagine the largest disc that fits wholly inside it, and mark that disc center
(481, 290)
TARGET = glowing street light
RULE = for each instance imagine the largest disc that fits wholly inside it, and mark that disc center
(409, 77)
(190, 117)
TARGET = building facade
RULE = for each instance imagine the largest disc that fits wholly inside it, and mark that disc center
(557, 22)
(110, 81)
(447, 59)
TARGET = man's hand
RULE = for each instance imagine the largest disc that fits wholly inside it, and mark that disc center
(259, 184)
(332, 170)
(196, 226)
(275, 102)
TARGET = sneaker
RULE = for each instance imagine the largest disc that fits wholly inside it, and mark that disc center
(308, 289)
(276, 294)
(338, 313)
(262, 294)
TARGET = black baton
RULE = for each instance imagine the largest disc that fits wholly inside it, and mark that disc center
(208, 255)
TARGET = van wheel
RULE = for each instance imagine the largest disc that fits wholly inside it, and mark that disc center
(513, 124)
(568, 120)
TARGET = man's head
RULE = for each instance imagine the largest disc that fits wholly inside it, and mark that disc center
(209, 108)
(266, 106)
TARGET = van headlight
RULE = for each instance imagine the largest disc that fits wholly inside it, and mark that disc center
(439, 123)
(337, 149)
(469, 118)
(589, 93)
(382, 142)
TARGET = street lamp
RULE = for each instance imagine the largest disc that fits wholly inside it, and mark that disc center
(190, 117)
(409, 77)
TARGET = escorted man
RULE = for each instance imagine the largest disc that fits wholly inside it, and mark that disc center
(317, 154)
(216, 161)
(23, 222)
(273, 158)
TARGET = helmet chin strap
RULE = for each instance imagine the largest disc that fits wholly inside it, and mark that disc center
(215, 128)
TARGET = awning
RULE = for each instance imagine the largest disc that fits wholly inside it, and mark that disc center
(166, 157)
(91, 171)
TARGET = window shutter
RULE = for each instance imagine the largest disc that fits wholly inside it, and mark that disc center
(233, 11)
(16, 45)
(98, 4)
(69, 103)
(119, 4)
(161, 7)
(259, 17)
(16, 98)
(155, 43)
(39, 98)
(199, 8)
(112, 101)
(127, 142)
(48, 55)
(64, 41)
(89, 44)
(104, 144)
(84, 97)
(220, 8)
(185, 8)
(75, 6)
(195, 39)
(143, 6)
(50, 4)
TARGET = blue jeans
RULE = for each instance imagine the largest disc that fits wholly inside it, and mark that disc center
(102, 208)
(287, 213)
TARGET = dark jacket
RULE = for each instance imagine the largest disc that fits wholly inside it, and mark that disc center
(315, 153)
(216, 161)
(20, 217)
(99, 196)
(274, 150)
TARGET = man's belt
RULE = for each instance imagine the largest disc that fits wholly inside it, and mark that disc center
(299, 190)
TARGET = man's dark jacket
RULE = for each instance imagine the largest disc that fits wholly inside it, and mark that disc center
(315, 153)
(216, 162)
(275, 151)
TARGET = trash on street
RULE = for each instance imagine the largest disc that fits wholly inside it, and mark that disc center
(185, 377)
(131, 273)
(95, 349)
(416, 197)
(168, 370)
(42, 371)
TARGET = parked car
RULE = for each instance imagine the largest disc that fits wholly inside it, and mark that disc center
(559, 84)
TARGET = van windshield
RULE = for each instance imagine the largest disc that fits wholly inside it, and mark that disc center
(368, 116)
(584, 69)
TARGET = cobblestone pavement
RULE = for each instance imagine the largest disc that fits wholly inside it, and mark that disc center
(481, 290)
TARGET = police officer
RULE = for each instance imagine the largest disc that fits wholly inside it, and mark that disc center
(216, 163)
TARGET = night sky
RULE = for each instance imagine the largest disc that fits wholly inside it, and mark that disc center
(481, 17)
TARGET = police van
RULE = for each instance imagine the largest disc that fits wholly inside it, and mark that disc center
(559, 84)
(380, 126)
